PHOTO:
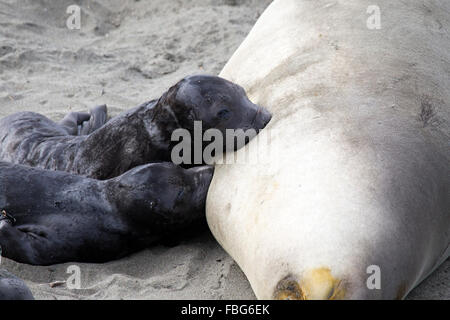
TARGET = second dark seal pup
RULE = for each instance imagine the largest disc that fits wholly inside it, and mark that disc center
(12, 288)
(50, 217)
(138, 136)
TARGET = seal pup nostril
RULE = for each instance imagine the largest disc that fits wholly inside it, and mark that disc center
(262, 118)
(266, 116)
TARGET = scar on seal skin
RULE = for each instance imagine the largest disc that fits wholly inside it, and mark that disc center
(315, 284)
(289, 289)
(55, 217)
(138, 136)
(427, 113)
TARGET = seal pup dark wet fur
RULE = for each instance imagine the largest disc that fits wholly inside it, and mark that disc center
(138, 136)
(53, 217)
(12, 288)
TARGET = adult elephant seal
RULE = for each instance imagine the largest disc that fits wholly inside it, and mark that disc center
(357, 203)
(12, 288)
(50, 217)
(138, 136)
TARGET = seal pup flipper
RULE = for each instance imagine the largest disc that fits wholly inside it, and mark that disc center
(18, 245)
(12, 288)
(72, 120)
(98, 117)
(38, 244)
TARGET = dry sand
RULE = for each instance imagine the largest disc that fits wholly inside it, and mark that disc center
(127, 52)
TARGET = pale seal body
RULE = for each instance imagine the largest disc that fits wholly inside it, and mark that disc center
(361, 124)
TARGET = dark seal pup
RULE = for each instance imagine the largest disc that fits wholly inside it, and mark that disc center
(12, 288)
(138, 136)
(81, 123)
(51, 217)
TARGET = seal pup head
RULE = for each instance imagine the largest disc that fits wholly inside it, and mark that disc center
(162, 195)
(217, 103)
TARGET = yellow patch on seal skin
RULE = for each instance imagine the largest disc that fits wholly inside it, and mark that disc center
(319, 284)
(315, 284)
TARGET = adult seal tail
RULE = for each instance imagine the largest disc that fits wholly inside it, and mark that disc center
(356, 205)
(138, 136)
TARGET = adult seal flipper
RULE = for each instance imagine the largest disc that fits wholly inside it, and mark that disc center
(12, 288)
(356, 204)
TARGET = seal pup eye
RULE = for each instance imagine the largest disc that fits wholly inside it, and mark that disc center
(224, 114)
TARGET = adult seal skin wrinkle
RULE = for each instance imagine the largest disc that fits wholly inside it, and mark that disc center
(357, 204)
(51, 217)
(138, 136)
(12, 288)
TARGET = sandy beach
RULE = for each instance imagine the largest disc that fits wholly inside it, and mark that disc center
(127, 52)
